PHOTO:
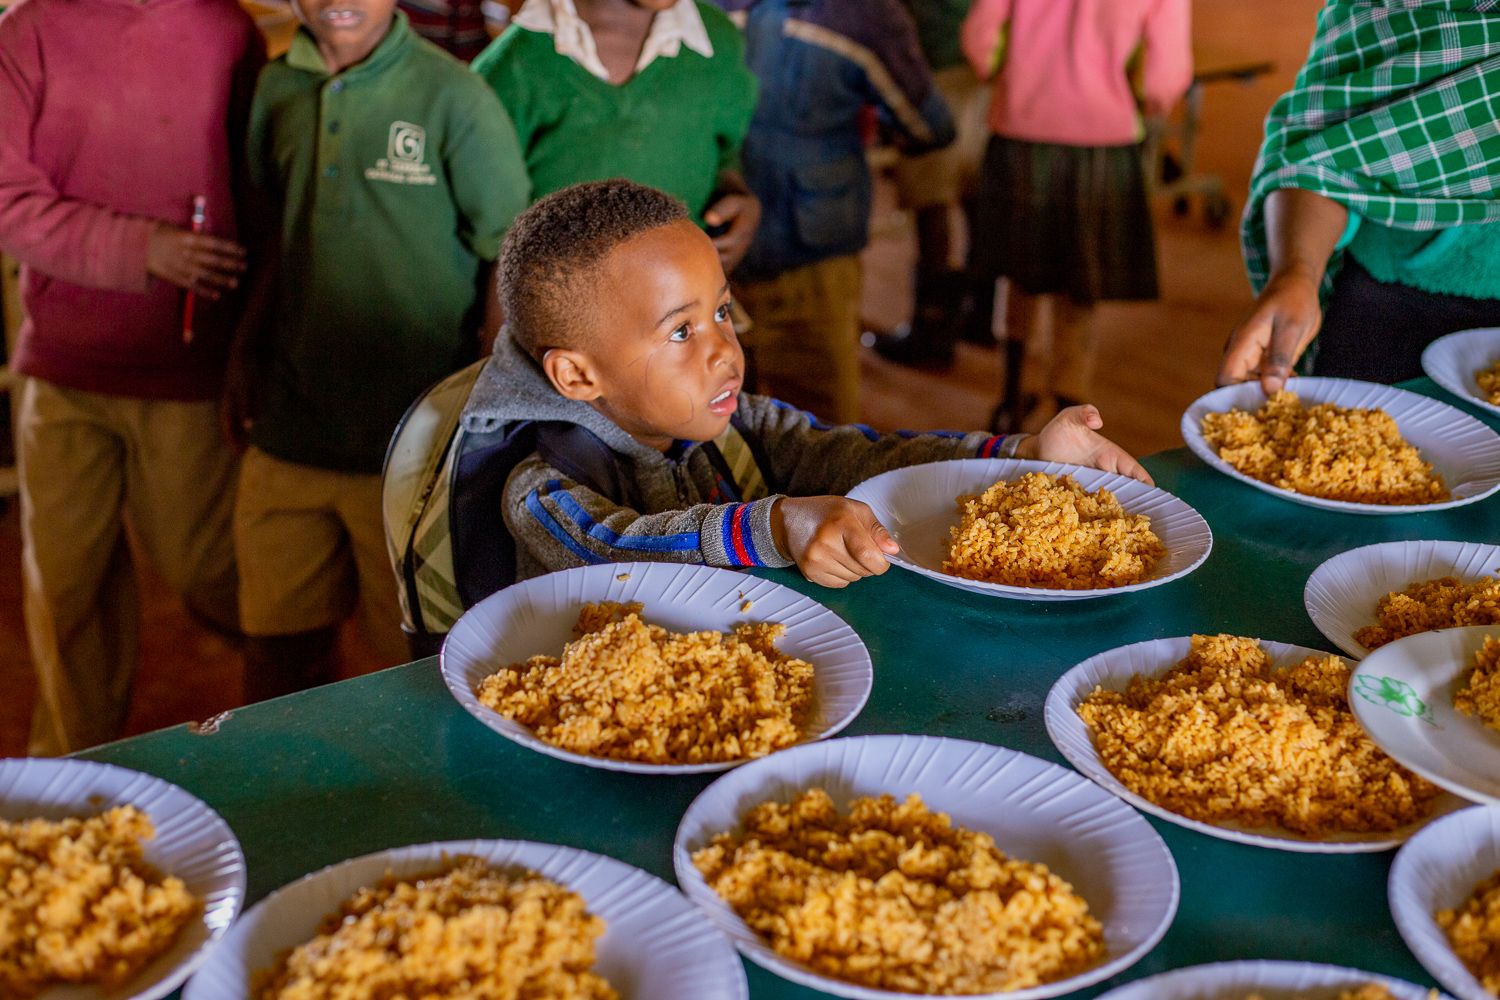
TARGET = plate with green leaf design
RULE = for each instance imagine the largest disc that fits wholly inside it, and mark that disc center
(1403, 695)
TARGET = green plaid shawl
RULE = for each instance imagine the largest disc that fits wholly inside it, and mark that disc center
(1396, 114)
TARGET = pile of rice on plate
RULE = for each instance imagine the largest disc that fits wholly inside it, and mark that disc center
(1446, 602)
(1223, 738)
(894, 896)
(80, 904)
(1334, 452)
(1369, 991)
(1046, 531)
(1473, 929)
(629, 690)
(1488, 380)
(465, 932)
(1480, 695)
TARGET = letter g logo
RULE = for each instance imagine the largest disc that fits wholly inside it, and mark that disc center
(407, 143)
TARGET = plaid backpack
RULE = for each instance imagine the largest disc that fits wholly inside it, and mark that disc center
(442, 498)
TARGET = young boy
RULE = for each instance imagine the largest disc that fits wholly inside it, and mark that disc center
(618, 323)
(393, 173)
(653, 90)
(113, 118)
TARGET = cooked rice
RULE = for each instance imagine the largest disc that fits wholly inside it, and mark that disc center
(896, 897)
(628, 690)
(1333, 452)
(1489, 382)
(1473, 930)
(81, 905)
(1369, 991)
(1432, 604)
(1223, 738)
(1041, 531)
(1480, 696)
(466, 932)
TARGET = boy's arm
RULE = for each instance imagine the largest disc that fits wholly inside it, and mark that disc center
(900, 82)
(562, 524)
(77, 241)
(486, 171)
(809, 457)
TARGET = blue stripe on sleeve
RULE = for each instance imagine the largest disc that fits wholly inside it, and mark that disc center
(557, 531)
(684, 542)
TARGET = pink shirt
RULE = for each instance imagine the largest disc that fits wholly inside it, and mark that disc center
(116, 113)
(1063, 78)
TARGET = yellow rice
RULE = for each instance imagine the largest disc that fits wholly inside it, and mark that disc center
(1431, 604)
(1480, 695)
(1473, 930)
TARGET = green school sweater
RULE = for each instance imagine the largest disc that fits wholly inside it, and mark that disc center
(392, 183)
(675, 125)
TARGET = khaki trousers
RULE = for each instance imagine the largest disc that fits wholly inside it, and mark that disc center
(311, 548)
(87, 462)
(805, 336)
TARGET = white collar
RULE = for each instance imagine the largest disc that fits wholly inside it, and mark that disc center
(678, 25)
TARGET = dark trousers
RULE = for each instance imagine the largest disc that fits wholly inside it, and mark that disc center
(1376, 332)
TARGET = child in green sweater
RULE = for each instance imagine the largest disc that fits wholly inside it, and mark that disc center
(656, 91)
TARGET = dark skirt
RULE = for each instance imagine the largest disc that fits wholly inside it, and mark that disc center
(1068, 220)
(1376, 331)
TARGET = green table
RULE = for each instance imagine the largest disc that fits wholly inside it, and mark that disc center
(391, 759)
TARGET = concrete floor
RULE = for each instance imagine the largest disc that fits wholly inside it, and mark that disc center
(1156, 358)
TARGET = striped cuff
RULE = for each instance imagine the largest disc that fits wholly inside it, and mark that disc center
(1001, 446)
(739, 534)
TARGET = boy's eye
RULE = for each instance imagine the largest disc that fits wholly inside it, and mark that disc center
(722, 314)
(682, 333)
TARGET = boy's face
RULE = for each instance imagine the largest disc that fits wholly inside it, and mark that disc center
(662, 359)
(354, 24)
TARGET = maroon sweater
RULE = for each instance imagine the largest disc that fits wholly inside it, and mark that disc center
(116, 113)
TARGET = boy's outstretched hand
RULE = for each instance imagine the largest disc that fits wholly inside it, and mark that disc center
(833, 540)
(1073, 437)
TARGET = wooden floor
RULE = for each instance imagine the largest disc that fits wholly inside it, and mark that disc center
(1156, 358)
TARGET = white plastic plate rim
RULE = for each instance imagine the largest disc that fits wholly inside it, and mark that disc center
(918, 503)
(1460, 447)
(1452, 361)
(1112, 669)
(192, 842)
(1274, 980)
(1402, 694)
(1341, 594)
(1036, 810)
(1438, 869)
(655, 945)
(537, 616)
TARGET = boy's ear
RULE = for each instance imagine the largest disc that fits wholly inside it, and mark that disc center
(572, 374)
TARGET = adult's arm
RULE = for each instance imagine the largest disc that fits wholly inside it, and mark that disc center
(1302, 229)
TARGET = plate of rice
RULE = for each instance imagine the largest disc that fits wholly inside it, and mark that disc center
(1346, 446)
(1467, 364)
(969, 868)
(1367, 597)
(1432, 701)
(1035, 531)
(1444, 890)
(475, 919)
(1260, 980)
(117, 884)
(1239, 739)
(656, 668)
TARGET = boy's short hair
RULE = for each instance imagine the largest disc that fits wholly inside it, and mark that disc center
(555, 245)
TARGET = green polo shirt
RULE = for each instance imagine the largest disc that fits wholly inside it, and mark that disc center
(393, 182)
(674, 125)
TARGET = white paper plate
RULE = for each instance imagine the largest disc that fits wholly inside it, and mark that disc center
(1451, 362)
(1439, 870)
(1403, 695)
(1461, 448)
(192, 842)
(1272, 980)
(537, 617)
(656, 946)
(1036, 811)
(1341, 594)
(917, 504)
(1112, 670)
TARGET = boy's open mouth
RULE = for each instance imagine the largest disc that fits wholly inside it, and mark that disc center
(342, 17)
(726, 401)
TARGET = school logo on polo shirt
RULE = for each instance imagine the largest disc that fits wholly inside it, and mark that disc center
(403, 162)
